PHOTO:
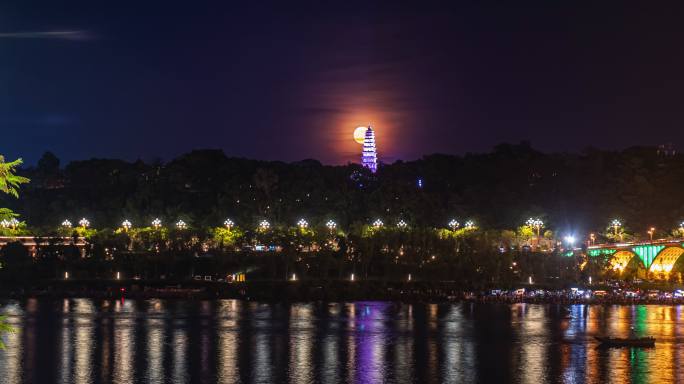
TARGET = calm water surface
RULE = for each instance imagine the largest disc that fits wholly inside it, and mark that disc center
(229, 341)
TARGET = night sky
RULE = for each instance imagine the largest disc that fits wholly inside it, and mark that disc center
(291, 80)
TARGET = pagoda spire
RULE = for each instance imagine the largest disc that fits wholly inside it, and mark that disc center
(369, 158)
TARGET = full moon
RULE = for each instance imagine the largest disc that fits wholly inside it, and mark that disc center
(360, 134)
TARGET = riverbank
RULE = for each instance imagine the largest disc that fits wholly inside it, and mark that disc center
(307, 291)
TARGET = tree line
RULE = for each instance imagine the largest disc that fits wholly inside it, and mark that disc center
(571, 193)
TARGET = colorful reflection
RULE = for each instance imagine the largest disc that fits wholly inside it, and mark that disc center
(227, 341)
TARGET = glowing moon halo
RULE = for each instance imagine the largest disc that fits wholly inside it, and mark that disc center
(360, 134)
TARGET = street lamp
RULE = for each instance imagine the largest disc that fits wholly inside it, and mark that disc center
(401, 224)
(228, 223)
(66, 224)
(126, 225)
(302, 224)
(84, 223)
(453, 224)
(650, 232)
(616, 224)
(681, 227)
(181, 224)
(331, 225)
(264, 225)
(11, 223)
(377, 224)
(469, 225)
(592, 238)
(535, 223)
(156, 223)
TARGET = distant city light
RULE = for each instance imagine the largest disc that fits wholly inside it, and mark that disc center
(570, 239)
(351, 278)
(420, 183)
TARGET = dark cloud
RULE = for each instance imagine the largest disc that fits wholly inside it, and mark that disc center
(57, 35)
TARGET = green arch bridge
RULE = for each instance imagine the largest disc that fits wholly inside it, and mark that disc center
(658, 256)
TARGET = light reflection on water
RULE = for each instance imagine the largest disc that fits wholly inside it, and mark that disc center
(228, 341)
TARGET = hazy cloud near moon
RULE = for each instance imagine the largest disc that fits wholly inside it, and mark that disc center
(78, 35)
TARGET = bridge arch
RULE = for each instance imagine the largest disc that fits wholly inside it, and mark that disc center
(621, 259)
(666, 259)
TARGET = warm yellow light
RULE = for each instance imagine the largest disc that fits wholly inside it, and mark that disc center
(360, 134)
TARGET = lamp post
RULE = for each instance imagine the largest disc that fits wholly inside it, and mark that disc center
(402, 224)
(302, 224)
(264, 225)
(536, 224)
(126, 225)
(616, 225)
(156, 223)
(592, 238)
(469, 225)
(84, 223)
(181, 225)
(453, 224)
(228, 224)
(331, 225)
(377, 224)
(650, 232)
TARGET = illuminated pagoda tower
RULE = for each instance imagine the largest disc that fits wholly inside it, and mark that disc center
(369, 158)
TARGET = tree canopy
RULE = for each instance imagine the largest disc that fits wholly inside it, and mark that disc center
(9, 180)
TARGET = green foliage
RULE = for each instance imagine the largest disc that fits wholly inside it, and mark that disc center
(20, 230)
(525, 232)
(9, 181)
(7, 214)
(223, 237)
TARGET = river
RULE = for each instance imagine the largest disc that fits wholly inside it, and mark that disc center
(232, 341)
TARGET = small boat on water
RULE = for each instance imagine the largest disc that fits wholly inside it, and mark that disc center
(626, 342)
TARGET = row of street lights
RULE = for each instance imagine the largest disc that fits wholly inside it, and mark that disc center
(535, 223)
(264, 225)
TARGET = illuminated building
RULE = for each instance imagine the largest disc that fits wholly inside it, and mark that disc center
(369, 157)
